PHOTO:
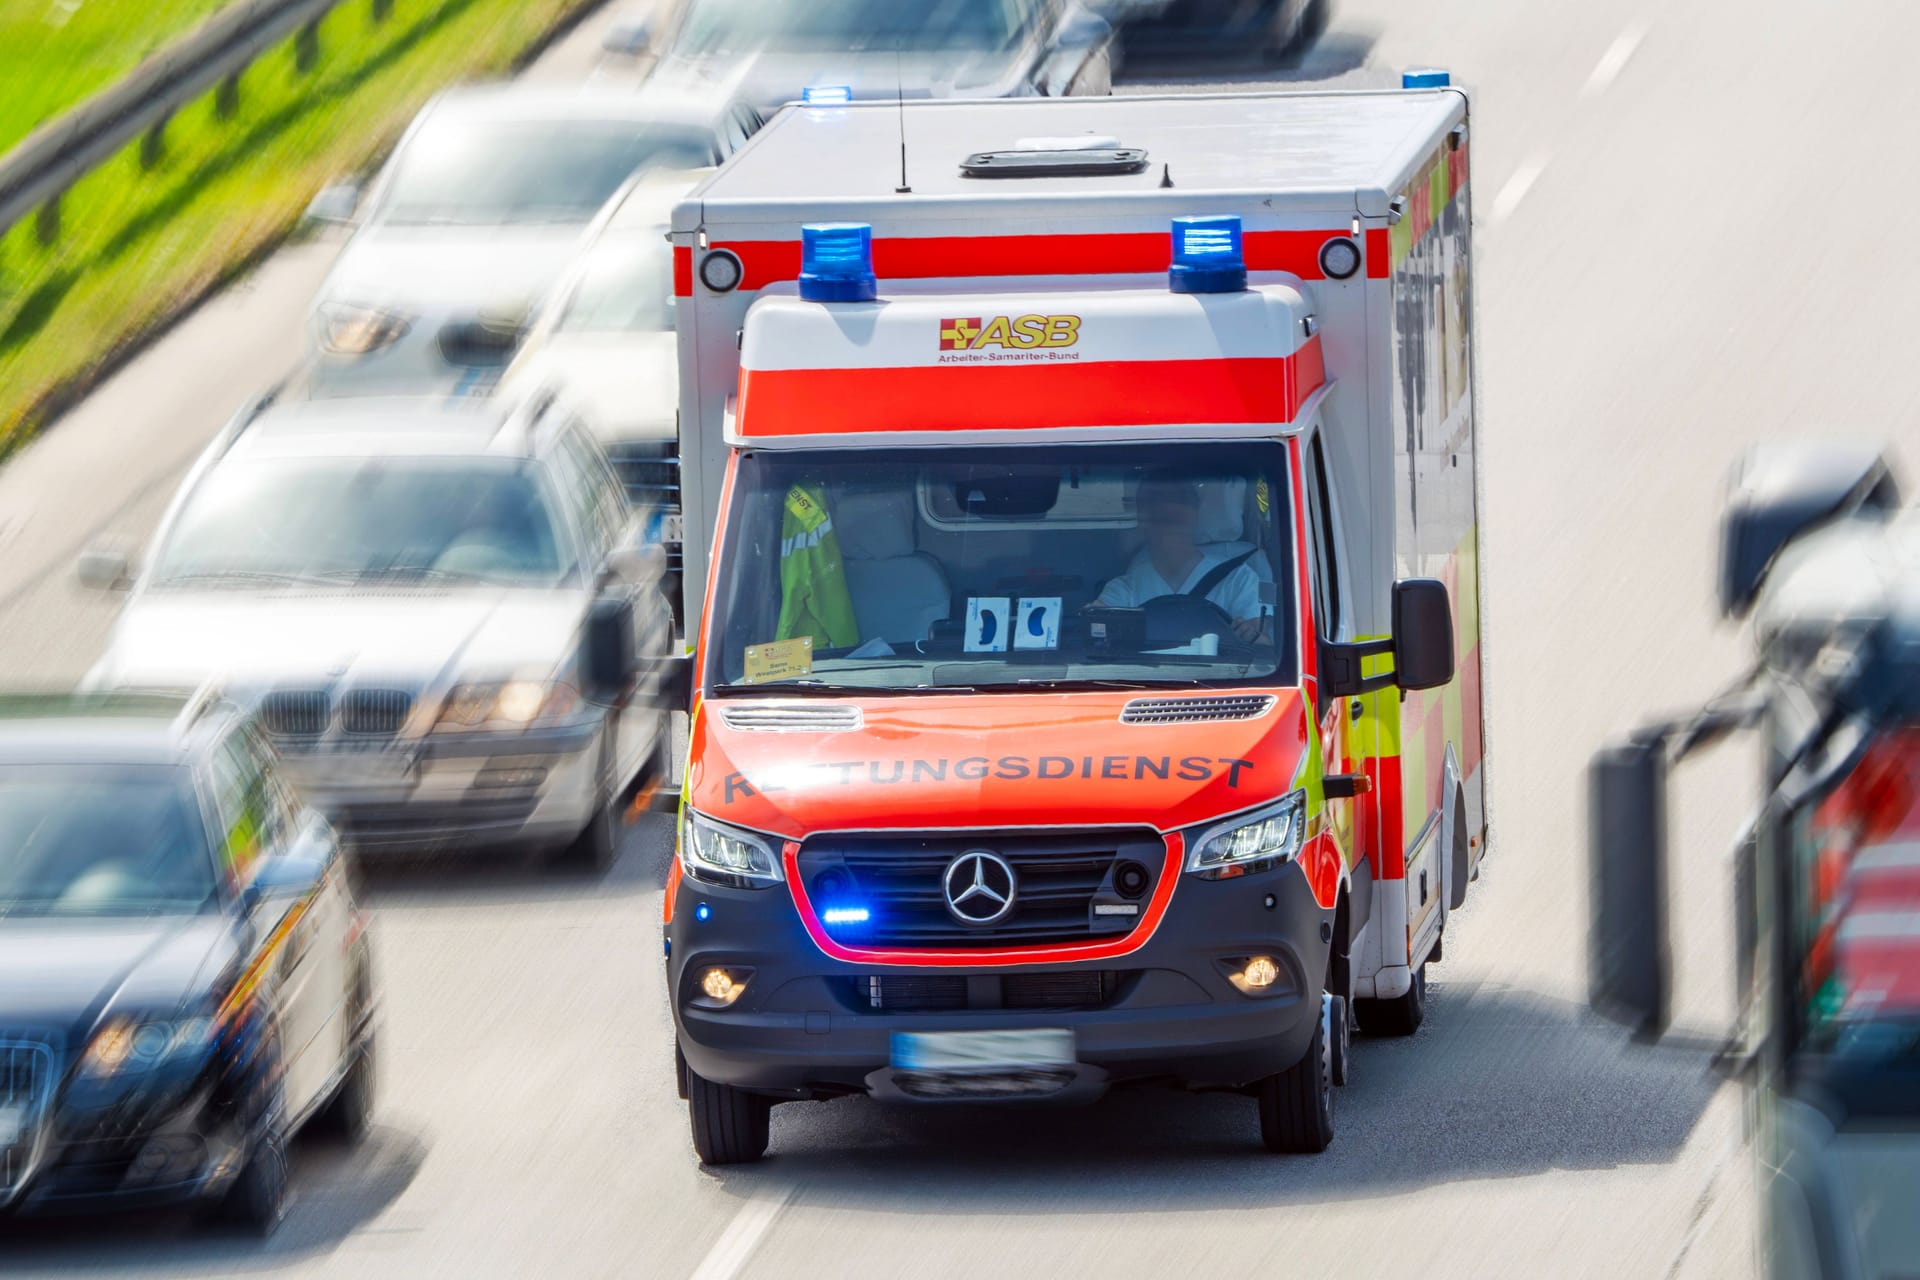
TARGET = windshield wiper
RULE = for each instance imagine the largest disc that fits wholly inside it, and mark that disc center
(401, 572)
(237, 577)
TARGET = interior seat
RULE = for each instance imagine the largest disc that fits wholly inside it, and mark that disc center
(898, 592)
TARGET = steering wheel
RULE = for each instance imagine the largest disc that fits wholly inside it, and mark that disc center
(1173, 621)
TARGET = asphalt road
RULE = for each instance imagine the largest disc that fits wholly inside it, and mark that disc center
(1686, 215)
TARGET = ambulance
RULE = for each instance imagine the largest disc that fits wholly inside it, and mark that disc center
(1086, 687)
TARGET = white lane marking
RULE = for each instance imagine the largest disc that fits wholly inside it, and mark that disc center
(742, 1236)
(1508, 198)
(1614, 60)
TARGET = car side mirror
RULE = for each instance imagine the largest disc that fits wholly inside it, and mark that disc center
(1781, 492)
(629, 39)
(672, 683)
(1630, 961)
(105, 569)
(337, 205)
(289, 875)
(608, 662)
(1421, 647)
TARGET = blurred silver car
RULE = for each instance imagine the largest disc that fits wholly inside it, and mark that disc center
(769, 54)
(605, 340)
(477, 215)
(438, 608)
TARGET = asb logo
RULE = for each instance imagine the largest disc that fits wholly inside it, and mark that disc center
(972, 333)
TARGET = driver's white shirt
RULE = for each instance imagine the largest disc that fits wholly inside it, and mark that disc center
(1238, 593)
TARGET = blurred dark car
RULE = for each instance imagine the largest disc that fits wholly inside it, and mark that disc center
(184, 975)
(1280, 30)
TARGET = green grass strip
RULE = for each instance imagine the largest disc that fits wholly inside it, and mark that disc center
(136, 245)
(53, 53)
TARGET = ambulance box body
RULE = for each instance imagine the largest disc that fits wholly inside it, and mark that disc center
(1046, 588)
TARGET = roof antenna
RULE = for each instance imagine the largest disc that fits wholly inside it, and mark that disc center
(900, 99)
(1166, 175)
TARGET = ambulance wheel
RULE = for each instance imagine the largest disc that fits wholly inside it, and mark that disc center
(1296, 1106)
(1399, 1016)
(730, 1125)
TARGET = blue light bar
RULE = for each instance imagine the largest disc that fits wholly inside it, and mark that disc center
(1206, 255)
(827, 95)
(1425, 78)
(846, 915)
(836, 262)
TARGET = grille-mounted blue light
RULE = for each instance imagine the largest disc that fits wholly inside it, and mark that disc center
(827, 95)
(703, 913)
(1425, 78)
(836, 262)
(1207, 256)
(846, 915)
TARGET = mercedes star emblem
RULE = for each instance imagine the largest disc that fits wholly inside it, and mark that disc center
(979, 887)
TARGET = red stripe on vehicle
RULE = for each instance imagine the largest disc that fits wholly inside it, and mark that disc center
(766, 262)
(988, 957)
(797, 402)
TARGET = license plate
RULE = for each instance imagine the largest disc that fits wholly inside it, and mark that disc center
(13, 1123)
(358, 769)
(666, 527)
(982, 1051)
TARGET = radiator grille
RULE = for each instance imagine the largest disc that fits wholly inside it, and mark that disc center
(791, 717)
(294, 713)
(26, 1075)
(375, 711)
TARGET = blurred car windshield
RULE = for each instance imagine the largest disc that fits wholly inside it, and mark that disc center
(101, 841)
(313, 520)
(626, 286)
(488, 172)
(731, 26)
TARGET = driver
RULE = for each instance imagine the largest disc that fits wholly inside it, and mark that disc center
(1173, 562)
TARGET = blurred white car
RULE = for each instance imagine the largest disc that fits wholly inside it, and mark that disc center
(770, 53)
(439, 607)
(477, 215)
(605, 341)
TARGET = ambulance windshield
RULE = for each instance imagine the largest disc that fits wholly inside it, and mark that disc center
(1006, 568)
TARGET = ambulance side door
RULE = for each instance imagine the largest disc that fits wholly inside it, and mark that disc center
(1326, 563)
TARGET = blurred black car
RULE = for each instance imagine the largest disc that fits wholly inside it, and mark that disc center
(1279, 29)
(184, 976)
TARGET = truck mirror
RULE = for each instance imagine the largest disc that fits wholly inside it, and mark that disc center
(1630, 978)
(1422, 633)
(105, 569)
(608, 663)
(1781, 492)
(673, 683)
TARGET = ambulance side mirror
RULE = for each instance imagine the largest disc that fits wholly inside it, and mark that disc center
(1630, 962)
(1422, 633)
(1421, 647)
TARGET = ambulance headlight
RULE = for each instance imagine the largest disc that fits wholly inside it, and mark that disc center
(1250, 843)
(714, 853)
(1207, 255)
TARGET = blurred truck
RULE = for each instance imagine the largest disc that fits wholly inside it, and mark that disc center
(1818, 555)
(1088, 671)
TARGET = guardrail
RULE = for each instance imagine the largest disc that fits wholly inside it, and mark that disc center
(53, 157)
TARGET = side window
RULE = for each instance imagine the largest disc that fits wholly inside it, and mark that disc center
(1326, 557)
(250, 817)
(607, 498)
(577, 491)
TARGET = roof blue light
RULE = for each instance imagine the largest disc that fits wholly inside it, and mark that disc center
(1207, 257)
(846, 915)
(836, 262)
(827, 95)
(1425, 78)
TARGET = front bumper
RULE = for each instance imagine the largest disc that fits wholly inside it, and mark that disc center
(466, 790)
(805, 1025)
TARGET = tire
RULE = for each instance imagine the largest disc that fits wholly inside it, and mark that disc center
(730, 1126)
(1284, 50)
(257, 1201)
(1313, 23)
(1296, 1106)
(592, 851)
(1399, 1016)
(1341, 1056)
(349, 1113)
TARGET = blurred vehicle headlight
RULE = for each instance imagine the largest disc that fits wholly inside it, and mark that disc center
(127, 1045)
(716, 854)
(1271, 836)
(512, 704)
(348, 330)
